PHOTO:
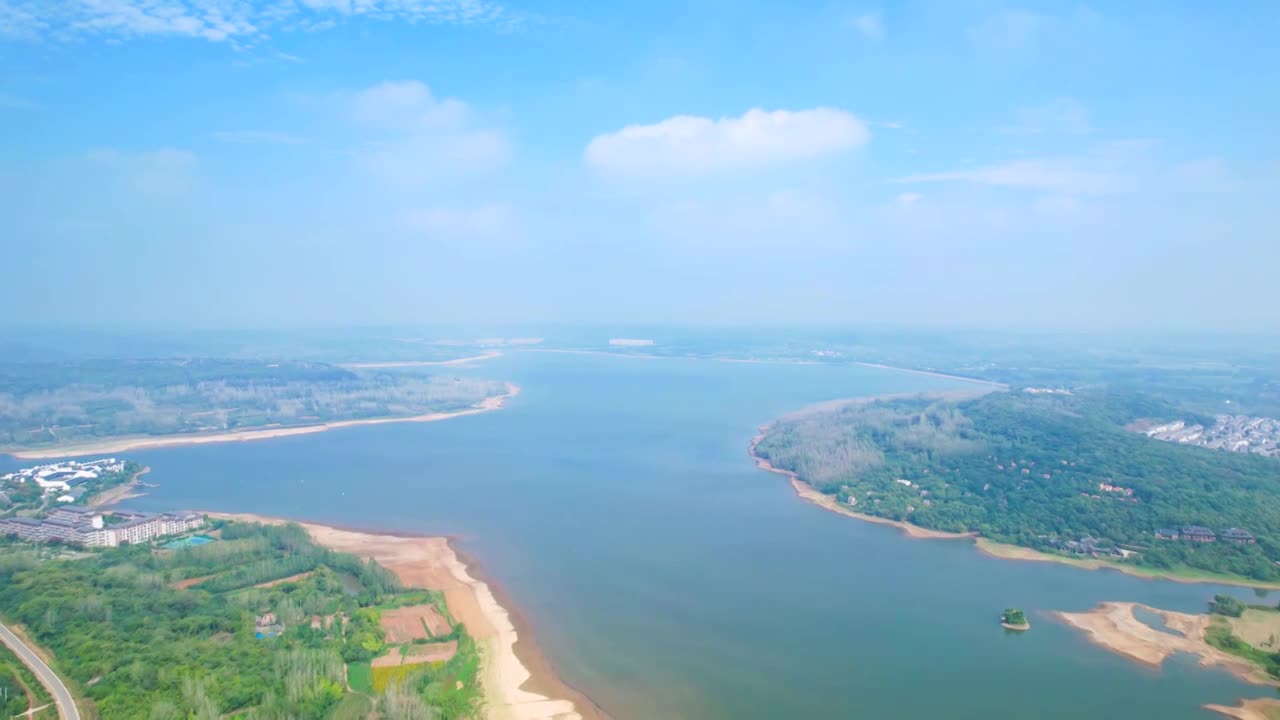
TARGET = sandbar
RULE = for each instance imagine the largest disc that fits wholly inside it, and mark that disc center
(509, 670)
(491, 354)
(1113, 626)
(1255, 709)
(116, 445)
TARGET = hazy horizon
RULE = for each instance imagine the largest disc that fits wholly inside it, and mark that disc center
(213, 164)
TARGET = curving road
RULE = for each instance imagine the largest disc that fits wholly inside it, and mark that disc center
(61, 695)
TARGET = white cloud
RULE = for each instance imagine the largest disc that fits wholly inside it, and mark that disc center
(868, 25)
(907, 199)
(485, 220)
(689, 145)
(223, 20)
(258, 136)
(1061, 116)
(1110, 168)
(418, 138)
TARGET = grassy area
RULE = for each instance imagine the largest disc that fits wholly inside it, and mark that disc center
(14, 684)
(385, 676)
(353, 707)
(1219, 634)
(360, 676)
(1259, 627)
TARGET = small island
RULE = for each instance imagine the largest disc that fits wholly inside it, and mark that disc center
(1014, 619)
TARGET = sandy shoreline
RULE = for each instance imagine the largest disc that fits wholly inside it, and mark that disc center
(1004, 551)
(1255, 709)
(422, 363)
(1113, 625)
(140, 443)
(124, 491)
(519, 682)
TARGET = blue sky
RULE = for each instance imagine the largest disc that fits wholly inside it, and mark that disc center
(228, 163)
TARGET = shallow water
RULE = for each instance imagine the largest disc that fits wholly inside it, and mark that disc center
(666, 577)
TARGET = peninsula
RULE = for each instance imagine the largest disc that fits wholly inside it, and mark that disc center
(1041, 476)
(122, 444)
(58, 410)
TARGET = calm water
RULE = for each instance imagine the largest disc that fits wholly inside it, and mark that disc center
(668, 578)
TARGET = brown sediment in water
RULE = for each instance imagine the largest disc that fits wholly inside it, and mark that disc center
(519, 681)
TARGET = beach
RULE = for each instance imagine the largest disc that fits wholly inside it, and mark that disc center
(1114, 626)
(1256, 709)
(121, 492)
(116, 445)
(519, 683)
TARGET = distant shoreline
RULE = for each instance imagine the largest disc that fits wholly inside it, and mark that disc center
(116, 445)
(930, 373)
(422, 363)
(1003, 551)
(519, 682)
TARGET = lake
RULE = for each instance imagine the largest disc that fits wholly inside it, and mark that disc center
(666, 577)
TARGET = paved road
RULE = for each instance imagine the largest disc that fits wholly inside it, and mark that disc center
(61, 695)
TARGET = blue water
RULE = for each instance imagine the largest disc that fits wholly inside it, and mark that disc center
(666, 577)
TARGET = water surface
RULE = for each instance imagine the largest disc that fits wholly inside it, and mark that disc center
(666, 577)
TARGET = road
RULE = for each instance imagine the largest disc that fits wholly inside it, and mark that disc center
(61, 695)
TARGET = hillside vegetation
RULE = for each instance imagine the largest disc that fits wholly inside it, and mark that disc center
(1038, 471)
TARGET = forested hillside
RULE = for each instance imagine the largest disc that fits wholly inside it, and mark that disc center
(1038, 471)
